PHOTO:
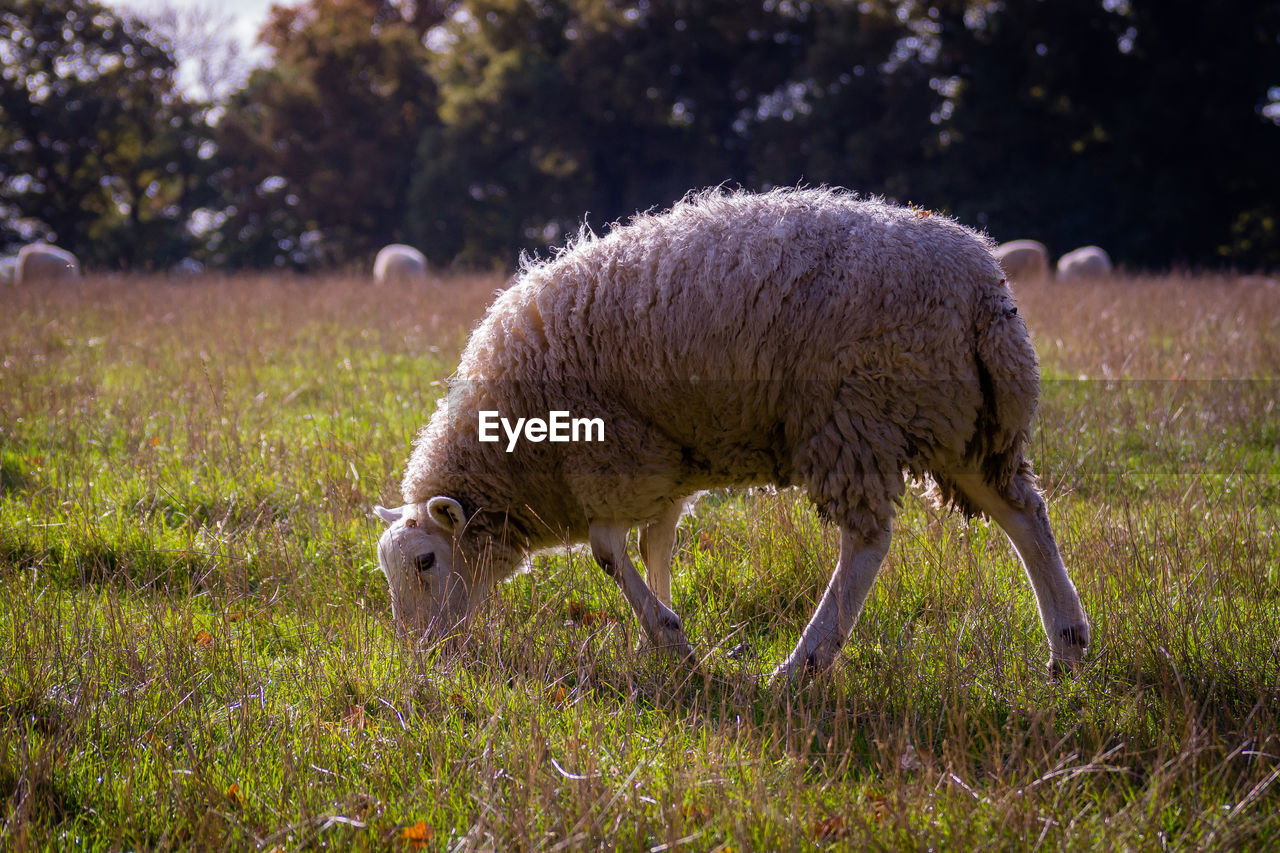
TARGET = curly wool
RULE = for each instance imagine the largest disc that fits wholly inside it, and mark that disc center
(797, 337)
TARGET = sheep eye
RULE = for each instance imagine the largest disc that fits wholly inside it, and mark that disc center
(424, 562)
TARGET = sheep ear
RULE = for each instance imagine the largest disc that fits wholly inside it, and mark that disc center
(446, 512)
(390, 516)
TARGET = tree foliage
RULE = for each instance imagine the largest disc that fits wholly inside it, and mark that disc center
(552, 111)
(98, 150)
(318, 147)
(478, 128)
(1134, 123)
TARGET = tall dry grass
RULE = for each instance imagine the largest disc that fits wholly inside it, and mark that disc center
(198, 654)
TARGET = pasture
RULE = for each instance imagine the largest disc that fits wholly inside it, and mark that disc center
(198, 650)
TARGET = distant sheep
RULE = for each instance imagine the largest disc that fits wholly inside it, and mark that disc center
(187, 268)
(796, 338)
(1083, 263)
(42, 262)
(1024, 260)
(398, 261)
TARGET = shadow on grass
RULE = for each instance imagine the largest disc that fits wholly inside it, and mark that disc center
(127, 566)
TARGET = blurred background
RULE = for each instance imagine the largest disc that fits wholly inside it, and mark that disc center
(244, 135)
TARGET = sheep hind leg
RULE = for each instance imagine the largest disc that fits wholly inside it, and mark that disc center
(1026, 522)
(657, 541)
(829, 627)
(662, 626)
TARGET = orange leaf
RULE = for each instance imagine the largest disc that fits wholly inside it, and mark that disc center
(354, 716)
(831, 827)
(418, 835)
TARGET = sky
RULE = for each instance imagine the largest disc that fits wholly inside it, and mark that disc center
(244, 16)
(247, 15)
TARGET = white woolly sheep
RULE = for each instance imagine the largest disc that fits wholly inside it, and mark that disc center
(42, 262)
(1083, 263)
(187, 268)
(398, 261)
(797, 338)
(1024, 260)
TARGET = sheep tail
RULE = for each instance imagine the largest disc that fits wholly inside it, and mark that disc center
(1009, 376)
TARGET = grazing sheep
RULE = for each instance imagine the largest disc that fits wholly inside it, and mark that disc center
(797, 338)
(1082, 263)
(42, 262)
(187, 268)
(398, 261)
(1024, 260)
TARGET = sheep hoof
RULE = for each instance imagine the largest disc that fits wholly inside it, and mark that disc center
(672, 646)
(1069, 652)
(1059, 668)
(799, 667)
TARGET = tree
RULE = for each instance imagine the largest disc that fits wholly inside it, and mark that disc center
(197, 37)
(552, 109)
(1137, 124)
(858, 111)
(98, 150)
(319, 146)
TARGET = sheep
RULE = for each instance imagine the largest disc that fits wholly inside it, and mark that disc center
(1024, 260)
(398, 261)
(43, 262)
(187, 268)
(801, 337)
(1083, 263)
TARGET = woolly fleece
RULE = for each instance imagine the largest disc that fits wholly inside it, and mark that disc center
(797, 337)
(398, 261)
(1084, 263)
(43, 262)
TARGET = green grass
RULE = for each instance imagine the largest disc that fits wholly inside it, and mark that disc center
(197, 647)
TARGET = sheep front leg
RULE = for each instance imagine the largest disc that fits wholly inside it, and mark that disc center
(855, 572)
(660, 624)
(657, 541)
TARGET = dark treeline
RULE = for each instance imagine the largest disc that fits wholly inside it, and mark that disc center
(475, 129)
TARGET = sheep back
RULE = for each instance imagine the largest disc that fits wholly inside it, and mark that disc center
(799, 337)
(44, 262)
(398, 261)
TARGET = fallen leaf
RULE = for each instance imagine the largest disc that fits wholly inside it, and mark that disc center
(355, 717)
(417, 835)
(829, 828)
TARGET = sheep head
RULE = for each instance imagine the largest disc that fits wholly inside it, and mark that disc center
(432, 589)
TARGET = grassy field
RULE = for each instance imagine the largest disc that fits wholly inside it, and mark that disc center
(198, 653)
